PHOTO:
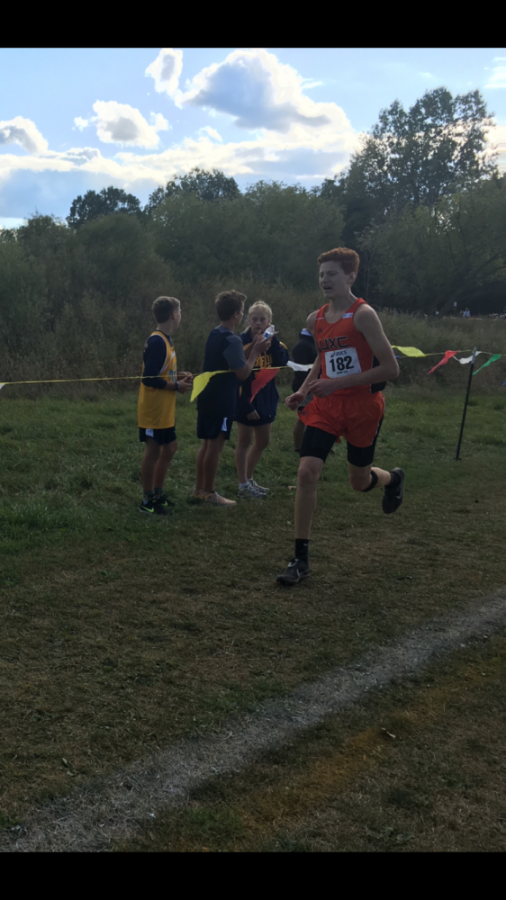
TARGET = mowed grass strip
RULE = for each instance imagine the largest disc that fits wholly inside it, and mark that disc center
(120, 634)
(417, 767)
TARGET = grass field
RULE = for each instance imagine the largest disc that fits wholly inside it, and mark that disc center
(119, 635)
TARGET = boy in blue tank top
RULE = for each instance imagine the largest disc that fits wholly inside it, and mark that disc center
(217, 403)
(157, 405)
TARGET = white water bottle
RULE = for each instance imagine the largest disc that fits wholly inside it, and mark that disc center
(268, 333)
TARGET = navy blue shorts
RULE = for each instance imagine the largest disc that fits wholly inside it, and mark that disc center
(160, 435)
(210, 427)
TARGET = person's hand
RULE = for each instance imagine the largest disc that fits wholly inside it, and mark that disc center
(294, 400)
(185, 384)
(253, 415)
(260, 344)
(322, 387)
(184, 375)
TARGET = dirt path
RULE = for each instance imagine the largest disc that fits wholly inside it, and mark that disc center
(99, 814)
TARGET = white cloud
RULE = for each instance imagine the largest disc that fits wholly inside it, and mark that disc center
(119, 123)
(498, 78)
(166, 70)
(289, 136)
(159, 122)
(259, 92)
(426, 75)
(211, 132)
(497, 138)
(23, 132)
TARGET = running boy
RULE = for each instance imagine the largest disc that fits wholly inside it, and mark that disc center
(355, 360)
(157, 405)
(218, 401)
(255, 417)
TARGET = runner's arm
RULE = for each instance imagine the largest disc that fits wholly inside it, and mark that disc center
(294, 400)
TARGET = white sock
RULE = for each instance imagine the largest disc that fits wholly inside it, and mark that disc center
(244, 485)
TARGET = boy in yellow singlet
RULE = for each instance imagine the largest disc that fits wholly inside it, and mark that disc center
(157, 405)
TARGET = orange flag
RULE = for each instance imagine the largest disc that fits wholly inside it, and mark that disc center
(261, 379)
(442, 362)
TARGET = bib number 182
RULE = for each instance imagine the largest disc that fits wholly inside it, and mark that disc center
(342, 362)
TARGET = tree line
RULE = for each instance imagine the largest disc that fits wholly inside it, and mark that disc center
(422, 202)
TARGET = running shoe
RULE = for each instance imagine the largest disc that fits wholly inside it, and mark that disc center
(392, 496)
(250, 490)
(216, 500)
(297, 570)
(164, 501)
(258, 486)
(153, 509)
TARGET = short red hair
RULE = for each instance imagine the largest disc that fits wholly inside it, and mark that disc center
(348, 259)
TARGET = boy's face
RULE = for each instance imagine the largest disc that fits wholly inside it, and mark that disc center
(176, 317)
(238, 317)
(333, 281)
(258, 321)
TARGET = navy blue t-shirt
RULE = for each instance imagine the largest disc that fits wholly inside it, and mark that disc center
(224, 350)
(155, 353)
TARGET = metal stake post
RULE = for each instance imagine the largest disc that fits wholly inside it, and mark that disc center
(471, 367)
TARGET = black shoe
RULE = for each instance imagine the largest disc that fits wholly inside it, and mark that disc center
(295, 572)
(392, 496)
(153, 509)
(163, 502)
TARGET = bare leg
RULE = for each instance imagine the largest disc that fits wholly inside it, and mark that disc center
(210, 462)
(360, 477)
(199, 476)
(149, 463)
(261, 442)
(244, 435)
(298, 433)
(164, 460)
(310, 469)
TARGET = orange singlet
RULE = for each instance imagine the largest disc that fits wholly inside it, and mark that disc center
(354, 413)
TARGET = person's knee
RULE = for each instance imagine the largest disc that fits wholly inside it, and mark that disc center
(262, 442)
(309, 471)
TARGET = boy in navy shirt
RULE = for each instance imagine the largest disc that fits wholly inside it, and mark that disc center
(255, 417)
(217, 403)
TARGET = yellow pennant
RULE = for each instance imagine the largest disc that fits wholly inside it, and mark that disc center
(201, 381)
(411, 351)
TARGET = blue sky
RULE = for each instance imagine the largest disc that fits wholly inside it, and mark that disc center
(78, 119)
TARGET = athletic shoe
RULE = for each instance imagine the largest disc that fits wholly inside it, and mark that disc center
(295, 572)
(258, 487)
(392, 497)
(164, 501)
(250, 490)
(153, 509)
(215, 500)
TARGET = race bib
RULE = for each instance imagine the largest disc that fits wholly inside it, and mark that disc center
(342, 362)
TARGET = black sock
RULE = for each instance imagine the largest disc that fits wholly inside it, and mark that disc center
(396, 480)
(301, 549)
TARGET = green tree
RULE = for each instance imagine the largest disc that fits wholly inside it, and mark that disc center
(423, 259)
(415, 157)
(107, 202)
(205, 185)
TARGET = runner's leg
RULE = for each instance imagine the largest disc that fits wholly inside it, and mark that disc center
(310, 469)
